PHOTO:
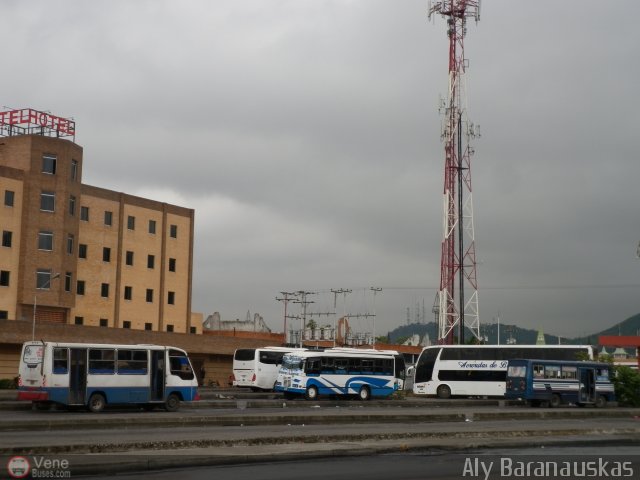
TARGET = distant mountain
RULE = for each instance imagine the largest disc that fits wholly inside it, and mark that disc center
(522, 336)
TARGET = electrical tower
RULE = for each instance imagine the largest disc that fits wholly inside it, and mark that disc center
(456, 303)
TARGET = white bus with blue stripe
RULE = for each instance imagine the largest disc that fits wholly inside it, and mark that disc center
(97, 375)
(341, 371)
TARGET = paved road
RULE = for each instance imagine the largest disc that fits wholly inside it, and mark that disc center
(28, 432)
(140, 441)
(416, 465)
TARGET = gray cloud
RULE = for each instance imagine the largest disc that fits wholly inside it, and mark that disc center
(306, 136)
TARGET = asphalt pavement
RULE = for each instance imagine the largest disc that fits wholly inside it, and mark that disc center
(227, 429)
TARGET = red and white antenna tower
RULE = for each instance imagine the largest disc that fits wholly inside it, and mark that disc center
(456, 303)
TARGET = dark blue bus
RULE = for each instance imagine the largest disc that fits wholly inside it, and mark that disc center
(556, 382)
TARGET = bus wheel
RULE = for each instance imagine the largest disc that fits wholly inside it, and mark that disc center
(97, 403)
(555, 401)
(364, 394)
(311, 393)
(172, 403)
(443, 391)
(601, 401)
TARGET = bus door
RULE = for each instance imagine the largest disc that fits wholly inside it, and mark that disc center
(78, 376)
(587, 385)
(157, 376)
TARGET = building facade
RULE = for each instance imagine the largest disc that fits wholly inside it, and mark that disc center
(77, 254)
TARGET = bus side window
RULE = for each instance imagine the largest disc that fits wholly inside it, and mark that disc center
(132, 362)
(102, 361)
(367, 366)
(538, 371)
(60, 361)
(552, 371)
(341, 365)
(313, 366)
(569, 372)
(327, 365)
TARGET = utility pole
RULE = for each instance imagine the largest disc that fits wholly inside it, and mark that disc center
(344, 292)
(302, 300)
(286, 298)
(375, 290)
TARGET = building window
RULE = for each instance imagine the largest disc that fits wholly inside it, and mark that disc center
(126, 324)
(104, 322)
(84, 214)
(49, 164)
(173, 231)
(7, 238)
(4, 278)
(9, 198)
(151, 261)
(148, 326)
(4, 315)
(48, 201)
(169, 328)
(131, 222)
(43, 279)
(172, 264)
(152, 227)
(79, 320)
(45, 240)
(67, 282)
(108, 218)
(149, 295)
(74, 170)
(104, 290)
(72, 205)
(171, 298)
(70, 244)
(128, 293)
(80, 287)
(106, 254)
(82, 250)
(193, 330)
(129, 258)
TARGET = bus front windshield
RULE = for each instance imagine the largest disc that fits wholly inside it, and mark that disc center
(292, 363)
(517, 371)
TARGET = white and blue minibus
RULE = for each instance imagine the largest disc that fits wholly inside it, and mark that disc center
(554, 382)
(341, 371)
(96, 375)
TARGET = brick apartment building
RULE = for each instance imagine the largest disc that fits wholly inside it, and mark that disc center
(80, 263)
(77, 254)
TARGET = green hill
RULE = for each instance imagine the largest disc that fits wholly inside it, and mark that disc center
(522, 336)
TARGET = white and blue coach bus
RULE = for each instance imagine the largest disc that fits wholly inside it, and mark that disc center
(341, 371)
(95, 375)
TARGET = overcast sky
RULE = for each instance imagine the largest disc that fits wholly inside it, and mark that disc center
(306, 136)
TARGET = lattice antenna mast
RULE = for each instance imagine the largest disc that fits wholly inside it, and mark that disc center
(456, 303)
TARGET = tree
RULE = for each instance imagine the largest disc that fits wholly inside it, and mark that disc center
(626, 381)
